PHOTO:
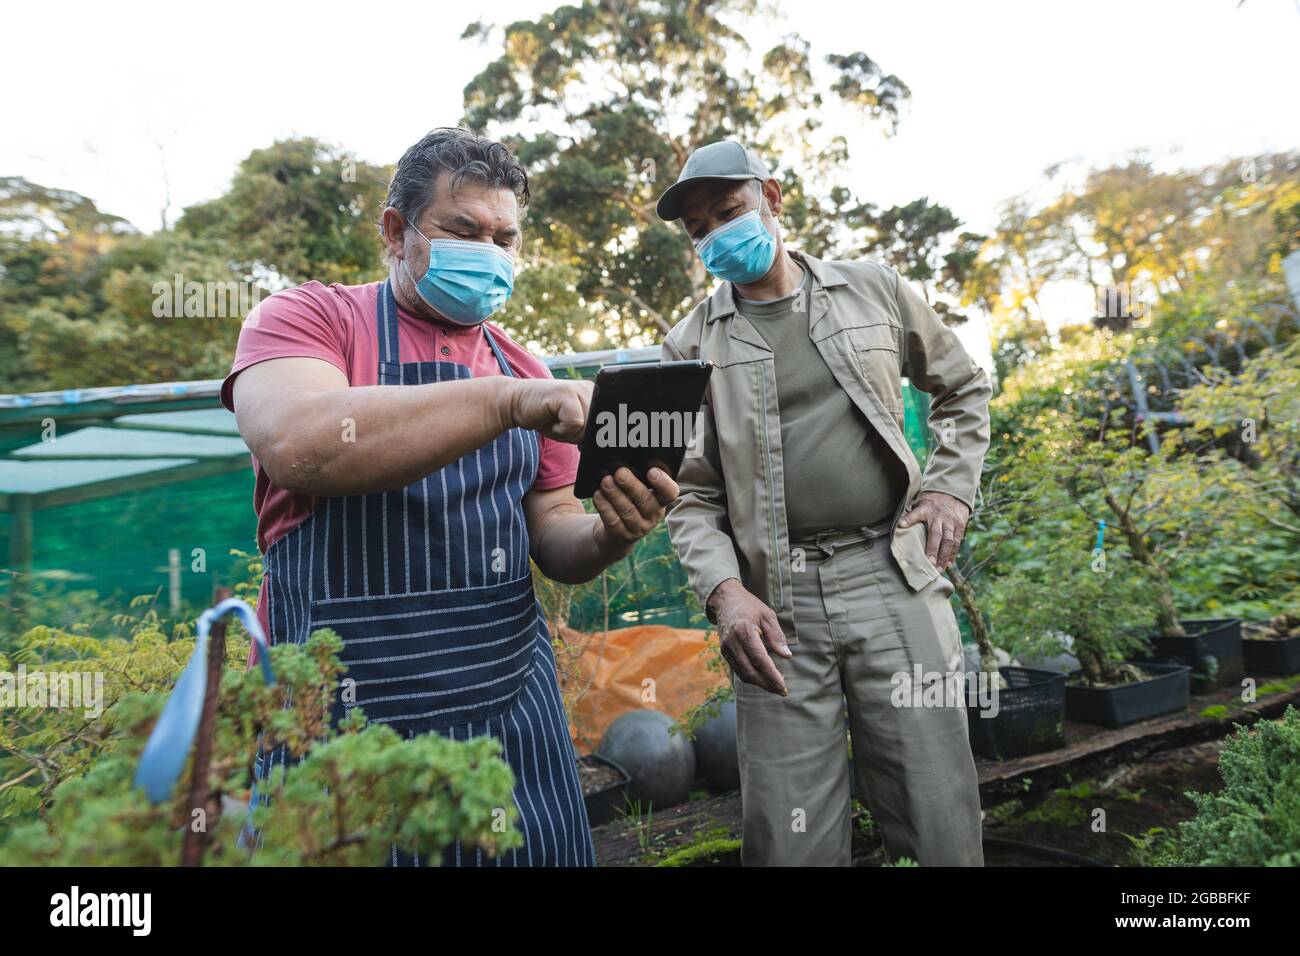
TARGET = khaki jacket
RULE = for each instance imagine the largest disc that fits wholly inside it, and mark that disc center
(871, 328)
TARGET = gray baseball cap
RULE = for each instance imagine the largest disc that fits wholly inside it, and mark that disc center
(725, 160)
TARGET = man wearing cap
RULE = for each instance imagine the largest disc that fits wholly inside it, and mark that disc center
(812, 538)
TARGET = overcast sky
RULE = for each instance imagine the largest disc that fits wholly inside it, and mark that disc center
(99, 93)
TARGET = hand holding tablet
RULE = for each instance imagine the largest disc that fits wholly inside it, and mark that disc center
(642, 415)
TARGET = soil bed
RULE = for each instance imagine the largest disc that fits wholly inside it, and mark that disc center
(1137, 774)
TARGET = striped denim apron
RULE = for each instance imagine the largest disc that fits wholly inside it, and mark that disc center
(430, 589)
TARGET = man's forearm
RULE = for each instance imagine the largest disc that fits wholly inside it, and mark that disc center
(573, 548)
(358, 440)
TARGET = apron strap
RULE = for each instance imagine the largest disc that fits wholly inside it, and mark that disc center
(496, 350)
(390, 359)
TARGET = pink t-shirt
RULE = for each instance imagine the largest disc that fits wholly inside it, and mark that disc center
(336, 324)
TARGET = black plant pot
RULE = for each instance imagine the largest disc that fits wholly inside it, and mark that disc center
(1165, 692)
(1212, 649)
(604, 804)
(1267, 655)
(1029, 717)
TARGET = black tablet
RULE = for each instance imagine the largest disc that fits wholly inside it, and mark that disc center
(643, 414)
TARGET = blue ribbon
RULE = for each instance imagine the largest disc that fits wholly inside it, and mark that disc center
(169, 745)
(1101, 534)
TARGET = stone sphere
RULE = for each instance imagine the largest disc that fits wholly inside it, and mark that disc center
(662, 765)
(716, 759)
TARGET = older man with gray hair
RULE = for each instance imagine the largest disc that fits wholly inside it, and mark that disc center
(812, 538)
(412, 463)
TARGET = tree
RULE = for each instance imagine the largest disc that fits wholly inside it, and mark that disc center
(603, 102)
(298, 210)
(1254, 419)
(1205, 241)
(52, 244)
(138, 329)
(1093, 451)
(85, 300)
(915, 240)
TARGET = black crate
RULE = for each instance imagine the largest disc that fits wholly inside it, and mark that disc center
(1271, 655)
(1127, 704)
(1212, 649)
(604, 805)
(1030, 715)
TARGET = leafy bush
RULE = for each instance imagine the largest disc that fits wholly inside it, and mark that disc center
(1255, 819)
(356, 790)
(1104, 613)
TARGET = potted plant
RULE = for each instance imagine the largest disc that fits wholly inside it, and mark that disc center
(1272, 647)
(1095, 613)
(1017, 710)
(1163, 497)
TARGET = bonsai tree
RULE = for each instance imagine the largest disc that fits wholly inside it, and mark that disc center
(1164, 506)
(1057, 593)
(1256, 415)
(66, 774)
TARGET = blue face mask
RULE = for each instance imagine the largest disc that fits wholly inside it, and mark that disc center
(466, 281)
(740, 251)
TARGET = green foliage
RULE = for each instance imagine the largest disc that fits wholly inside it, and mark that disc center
(1255, 819)
(1150, 848)
(863, 820)
(357, 789)
(604, 100)
(301, 209)
(80, 290)
(41, 748)
(1065, 807)
(360, 792)
(1210, 240)
(708, 847)
(1104, 613)
(689, 724)
(1277, 687)
(1256, 413)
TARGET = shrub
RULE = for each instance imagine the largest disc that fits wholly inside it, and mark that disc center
(1104, 613)
(356, 790)
(1255, 819)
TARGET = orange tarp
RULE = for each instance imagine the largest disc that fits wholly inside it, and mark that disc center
(603, 676)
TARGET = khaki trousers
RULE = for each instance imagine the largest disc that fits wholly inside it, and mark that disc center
(861, 634)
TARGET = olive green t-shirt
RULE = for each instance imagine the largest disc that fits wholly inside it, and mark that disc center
(839, 473)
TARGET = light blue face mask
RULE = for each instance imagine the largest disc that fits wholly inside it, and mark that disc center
(466, 281)
(739, 251)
